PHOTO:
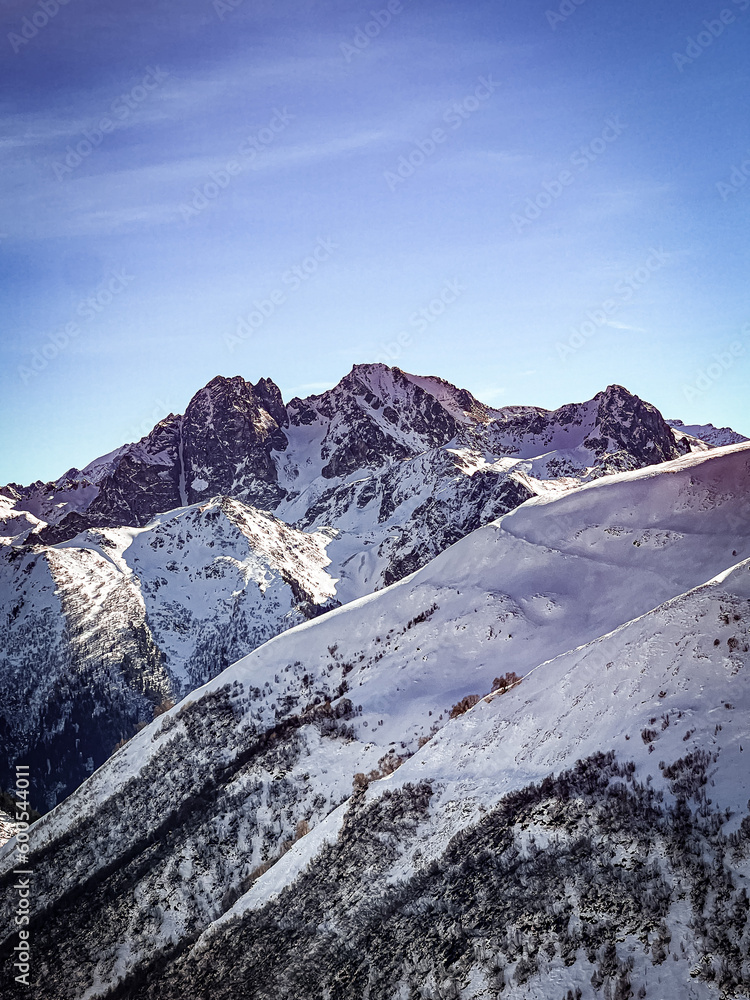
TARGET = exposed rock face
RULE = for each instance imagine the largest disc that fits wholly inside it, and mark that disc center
(628, 426)
(447, 516)
(614, 427)
(223, 444)
(228, 437)
(376, 416)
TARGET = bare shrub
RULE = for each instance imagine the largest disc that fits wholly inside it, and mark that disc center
(464, 705)
(507, 681)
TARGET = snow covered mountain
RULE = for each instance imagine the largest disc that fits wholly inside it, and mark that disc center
(126, 585)
(238, 439)
(519, 771)
(102, 631)
(717, 437)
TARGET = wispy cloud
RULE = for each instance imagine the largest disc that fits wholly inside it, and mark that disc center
(309, 388)
(492, 394)
(624, 326)
(151, 194)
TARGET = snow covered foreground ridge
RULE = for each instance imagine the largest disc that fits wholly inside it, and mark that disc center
(127, 585)
(258, 840)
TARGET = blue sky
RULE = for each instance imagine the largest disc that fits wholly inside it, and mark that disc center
(530, 199)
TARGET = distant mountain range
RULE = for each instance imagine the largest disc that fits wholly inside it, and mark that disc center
(716, 436)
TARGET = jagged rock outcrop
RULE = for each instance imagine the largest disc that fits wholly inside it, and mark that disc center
(228, 437)
(714, 437)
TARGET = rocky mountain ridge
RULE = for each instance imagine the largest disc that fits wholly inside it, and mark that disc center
(239, 439)
(716, 437)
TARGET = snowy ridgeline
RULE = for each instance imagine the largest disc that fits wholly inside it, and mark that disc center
(122, 621)
(717, 437)
(372, 805)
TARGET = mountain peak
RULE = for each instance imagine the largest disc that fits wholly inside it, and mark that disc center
(222, 381)
(625, 422)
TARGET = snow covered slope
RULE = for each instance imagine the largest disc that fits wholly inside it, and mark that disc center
(589, 828)
(234, 847)
(103, 629)
(7, 827)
